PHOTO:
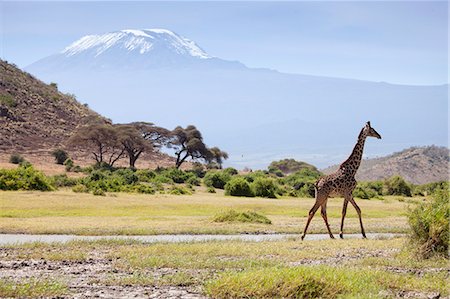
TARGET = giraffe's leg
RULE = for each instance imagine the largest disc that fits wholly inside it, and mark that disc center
(323, 211)
(344, 212)
(358, 210)
(310, 216)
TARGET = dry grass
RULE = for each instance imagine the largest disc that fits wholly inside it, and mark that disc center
(236, 269)
(65, 212)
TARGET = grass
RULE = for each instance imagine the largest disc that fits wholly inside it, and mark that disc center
(32, 287)
(316, 282)
(353, 268)
(65, 212)
(234, 216)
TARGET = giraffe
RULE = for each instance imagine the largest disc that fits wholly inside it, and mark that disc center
(342, 182)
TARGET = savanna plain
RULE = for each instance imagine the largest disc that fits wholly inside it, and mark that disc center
(289, 268)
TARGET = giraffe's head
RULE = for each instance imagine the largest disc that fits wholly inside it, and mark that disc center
(371, 131)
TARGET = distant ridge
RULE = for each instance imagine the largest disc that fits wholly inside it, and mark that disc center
(417, 165)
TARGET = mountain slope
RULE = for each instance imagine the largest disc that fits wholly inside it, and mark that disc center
(309, 118)
(417, 165)
(35, 119)
(34, 115)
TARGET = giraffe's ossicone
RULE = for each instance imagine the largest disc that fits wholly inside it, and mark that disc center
(341, 183)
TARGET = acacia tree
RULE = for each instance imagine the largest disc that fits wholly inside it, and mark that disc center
(217, 156)
(188, 143)
(133, 142)
(102, 140)
(157, 136)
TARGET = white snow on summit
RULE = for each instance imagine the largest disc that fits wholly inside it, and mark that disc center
(143, 41)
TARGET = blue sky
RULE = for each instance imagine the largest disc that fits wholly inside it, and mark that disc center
(398, 42)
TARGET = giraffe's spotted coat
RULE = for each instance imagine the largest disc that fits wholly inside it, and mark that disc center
(341, 183)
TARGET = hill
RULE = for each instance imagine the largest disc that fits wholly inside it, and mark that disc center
(35, 115)
(36, 118)
(417, 165)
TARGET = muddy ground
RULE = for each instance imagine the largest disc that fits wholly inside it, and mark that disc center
(86, 278)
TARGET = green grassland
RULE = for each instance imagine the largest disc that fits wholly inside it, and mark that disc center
(66, 212)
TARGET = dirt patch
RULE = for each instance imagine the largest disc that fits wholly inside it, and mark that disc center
(84, 277)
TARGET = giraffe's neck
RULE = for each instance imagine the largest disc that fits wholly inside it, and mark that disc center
(351, 165)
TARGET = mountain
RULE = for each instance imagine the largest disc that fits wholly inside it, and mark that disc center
(131, 49)
(256, 115)
(417, 165)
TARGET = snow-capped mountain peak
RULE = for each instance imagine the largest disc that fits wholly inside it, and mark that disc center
(143, 41)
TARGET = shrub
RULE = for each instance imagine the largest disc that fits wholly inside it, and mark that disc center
(238, 186)
(264, 187)
(145, 189)
(162, 179)
(368, 190)
(62, 180)
(16, 159)
(233, 216)
(7, 100)
(198, 169)
(178, 190)
(210, 190)
(177, 175)
(24, 178)
(430, 188)
(80, 188)
(307, 190)
(252, 176)
(99, 192)
(287, 166)
(145, 175)
(276, 171)
(216, 179)
(69, 164)
(195, 181)
(396, 185)
(60, 156)
(231, 171)
(429, 223)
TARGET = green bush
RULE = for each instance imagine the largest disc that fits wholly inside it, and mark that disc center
(287, 166)
(429, 222)
(210, 190)
(69, 164)
(396, 185)
(252, 176)
(264, 187)
(238, 186)
(430, 188)
(144, 189)
(216, 179)
(80, 188)
(7, 100)
(62, 180)
(99, 192)
(145, 175)
(177, 175)
(195, 181)
(368, 190)
(24, 178)
(60, 156)
(178, 190)
(234, 216)
(231, 171)
(16, 159)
